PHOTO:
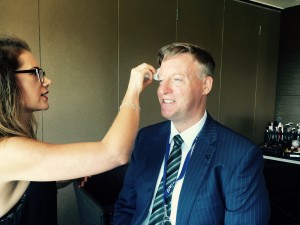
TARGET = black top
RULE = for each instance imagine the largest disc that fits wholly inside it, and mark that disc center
(38, 206)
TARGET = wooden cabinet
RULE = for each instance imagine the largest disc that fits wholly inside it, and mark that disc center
(283, 183)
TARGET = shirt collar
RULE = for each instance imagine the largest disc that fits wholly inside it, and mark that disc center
(189, 134)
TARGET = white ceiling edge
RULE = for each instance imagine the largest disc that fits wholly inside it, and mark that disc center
(280, 4)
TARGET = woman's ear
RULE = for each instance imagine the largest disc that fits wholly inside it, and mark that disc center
(207, 85)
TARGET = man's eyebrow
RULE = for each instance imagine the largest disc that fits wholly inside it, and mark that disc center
(172, 75)
(178, 74)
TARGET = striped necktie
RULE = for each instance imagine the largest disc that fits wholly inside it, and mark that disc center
(173, 165)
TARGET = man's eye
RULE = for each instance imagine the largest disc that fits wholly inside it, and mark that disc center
(177, 79)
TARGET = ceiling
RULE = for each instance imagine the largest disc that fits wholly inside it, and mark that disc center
(280, 4)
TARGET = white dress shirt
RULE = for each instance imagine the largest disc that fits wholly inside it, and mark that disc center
(188, 137)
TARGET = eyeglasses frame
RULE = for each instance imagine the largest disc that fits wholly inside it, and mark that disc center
(34, 71)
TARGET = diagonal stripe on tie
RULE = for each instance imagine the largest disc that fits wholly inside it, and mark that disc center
(173, 165)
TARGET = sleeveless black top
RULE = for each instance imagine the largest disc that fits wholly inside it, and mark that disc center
(38, 206)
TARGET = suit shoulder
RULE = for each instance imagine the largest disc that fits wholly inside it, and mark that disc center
(228, 133)
(154, 130)
(155, 127)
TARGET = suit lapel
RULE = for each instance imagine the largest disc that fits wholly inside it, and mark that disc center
(197, 170)
(154, 152)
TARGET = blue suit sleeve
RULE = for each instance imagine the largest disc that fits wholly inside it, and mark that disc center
(125, 205)
(247, 200)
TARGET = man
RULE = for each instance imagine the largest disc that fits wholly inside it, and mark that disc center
(220, 175)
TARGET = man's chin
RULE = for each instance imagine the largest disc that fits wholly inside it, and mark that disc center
(167, 115)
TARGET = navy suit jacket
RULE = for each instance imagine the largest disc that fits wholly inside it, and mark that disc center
(224, 182)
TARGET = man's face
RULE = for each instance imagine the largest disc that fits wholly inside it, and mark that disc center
(182, 91)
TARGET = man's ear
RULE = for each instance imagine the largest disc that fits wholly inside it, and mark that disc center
(207, 85)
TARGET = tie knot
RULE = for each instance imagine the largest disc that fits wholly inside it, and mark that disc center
(177, 140)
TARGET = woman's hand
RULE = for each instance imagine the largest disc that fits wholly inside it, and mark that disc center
(141, 76)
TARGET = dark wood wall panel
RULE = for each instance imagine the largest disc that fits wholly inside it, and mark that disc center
(238, 80)
(15, 19)
(267, 70)
(288, 83)
(287, 108)
(144, 27)
(197, 25)
(79, 52)
(249, 60)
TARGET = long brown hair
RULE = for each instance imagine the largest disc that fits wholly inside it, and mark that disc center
(11, 123)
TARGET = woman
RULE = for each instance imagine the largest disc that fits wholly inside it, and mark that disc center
(28, 167)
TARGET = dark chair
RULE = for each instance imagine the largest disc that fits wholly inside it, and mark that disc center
(90, 212)
(96, 200)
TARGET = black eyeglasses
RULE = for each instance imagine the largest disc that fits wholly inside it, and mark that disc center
(37, 71)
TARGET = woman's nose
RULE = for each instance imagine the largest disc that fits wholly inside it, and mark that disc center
(47, 82)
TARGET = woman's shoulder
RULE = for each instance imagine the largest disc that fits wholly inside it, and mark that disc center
(13, 142)
(16, 148)
(14, 154)
(14, 139)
